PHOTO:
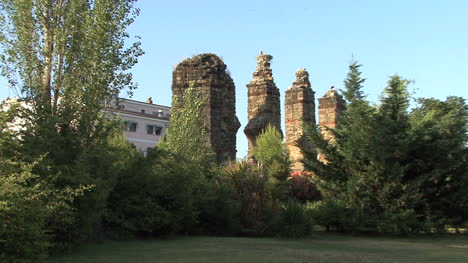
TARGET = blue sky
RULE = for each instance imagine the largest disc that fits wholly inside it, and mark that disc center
(426, 41)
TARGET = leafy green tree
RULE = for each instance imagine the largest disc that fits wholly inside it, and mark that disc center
(439, 156)
(28, 205)
(187, 135)
(133, 208)
(157, 195)
(10, 135)
(187, 165)
(66, 58)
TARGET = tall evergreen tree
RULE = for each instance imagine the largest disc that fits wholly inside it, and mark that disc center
(390, 155)
(354, 138)
(369, 159)
(348, 156)
(353, 83)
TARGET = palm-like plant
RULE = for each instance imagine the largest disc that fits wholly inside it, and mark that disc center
(249, 181)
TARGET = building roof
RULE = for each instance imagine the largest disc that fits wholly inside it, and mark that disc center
(144, 103)
(135, 113)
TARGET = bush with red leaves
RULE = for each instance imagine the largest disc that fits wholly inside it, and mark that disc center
(302, 188)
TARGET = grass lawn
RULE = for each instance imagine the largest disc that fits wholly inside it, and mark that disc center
(321, 247)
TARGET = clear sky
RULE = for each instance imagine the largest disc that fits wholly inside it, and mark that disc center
(426, 41)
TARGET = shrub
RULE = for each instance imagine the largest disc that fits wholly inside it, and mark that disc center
(220, 210)
(294, 221)
(27, 207)
(270, 150)
(22, 219)
(302, 188)
(401, 222)
(131, 210)
(155, 197)
(334, 215)
(328, 214)
(249, 182)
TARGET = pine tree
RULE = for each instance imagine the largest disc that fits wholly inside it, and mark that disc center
(368, 161)
(353, 83)
(348, 156)
(390, 157)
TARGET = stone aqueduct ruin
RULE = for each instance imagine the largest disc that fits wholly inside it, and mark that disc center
(207, 74)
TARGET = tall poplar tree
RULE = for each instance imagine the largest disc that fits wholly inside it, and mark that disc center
(66, 56)
(187, 135)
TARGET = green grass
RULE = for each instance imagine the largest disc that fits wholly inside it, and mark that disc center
(320, 247)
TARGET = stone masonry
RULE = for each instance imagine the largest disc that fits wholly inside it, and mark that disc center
(263, 101)
(208, 74)
(299, 110)
(331, 105)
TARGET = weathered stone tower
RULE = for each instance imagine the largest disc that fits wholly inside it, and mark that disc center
(331, 106)
(299, 110)
(208, 74)
(263, 101)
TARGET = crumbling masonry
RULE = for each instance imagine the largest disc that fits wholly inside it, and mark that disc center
(263, 101)
(299, 110)
(208, 74)
(331, 106)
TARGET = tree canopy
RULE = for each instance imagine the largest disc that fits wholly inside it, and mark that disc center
(390, 168)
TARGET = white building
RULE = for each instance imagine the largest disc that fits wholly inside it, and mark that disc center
(145, 123)
(18, 123)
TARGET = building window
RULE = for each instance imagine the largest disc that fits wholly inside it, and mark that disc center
(153, 129)
(158, 131)
(131, 126)
(150, 129)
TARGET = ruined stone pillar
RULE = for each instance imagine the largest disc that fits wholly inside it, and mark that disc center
(208, 74)
(263, 101)
(299, 108)
(331, 106)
